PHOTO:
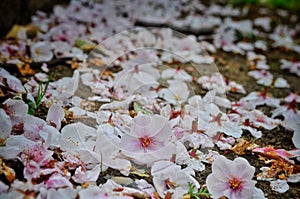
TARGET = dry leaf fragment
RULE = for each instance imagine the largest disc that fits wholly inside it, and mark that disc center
(155, 195)
(8, 172)
(168, 195)
(2, 93)
(31, 31)
(242, 146)
(25, 69)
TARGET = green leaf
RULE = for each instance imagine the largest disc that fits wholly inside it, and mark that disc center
(84, 45)
(139, 108)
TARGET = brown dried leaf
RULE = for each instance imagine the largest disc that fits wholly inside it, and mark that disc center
(25, 69)
(8, 172)
(168, 195)
(242, 146)
(2, 93)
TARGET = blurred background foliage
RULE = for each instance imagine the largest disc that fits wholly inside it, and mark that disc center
(293, 5)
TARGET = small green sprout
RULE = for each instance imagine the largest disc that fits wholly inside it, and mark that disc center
(202, 193)
(40, 96)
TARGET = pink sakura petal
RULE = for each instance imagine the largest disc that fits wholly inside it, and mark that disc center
(291, 97)
(32, 170)
(169, 176)
(221, 168)
(5, 124)
(41, 51)
(281, 83)
(58, 181)
(240, 170)
(92, 192)
(232, 179)
(280, 186)
(13, 82)
(62, 193)
(82, 175)
(3, 188)
(55, 115)
(296, 138)
(16, 109)
(159, 127)
(132, 144)
(108, 154)
(219, 186)
(142, 120)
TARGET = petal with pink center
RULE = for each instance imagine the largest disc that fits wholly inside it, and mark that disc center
(131, 144)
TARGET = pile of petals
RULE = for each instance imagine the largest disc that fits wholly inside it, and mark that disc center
(160, 115)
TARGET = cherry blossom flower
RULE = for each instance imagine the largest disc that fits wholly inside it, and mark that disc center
(261, 45)
(292, 66)
(16, 109)
(6, 79)
(147, 134)
(37, 129)
(169, 177)
(215, 82)
(291, 97)
(61, 163)
(257, 61)
(258, 119)
(280, 186)
(82, 175)
(224, 38)
(212, 120)
(65, 87)
(291, 118)
(176, 93)
(111, 190)
(232, 179)
(263, 77)
(36, 160)
(283, 36)
(178, 74)
(221, 84)
(260, 98)
(19, 189)
(38, 153)
(280, 83)
(41, 51)
(107, 152)
(263, 22)
(245, 46)
(14, 145)
(98, 85)
(191, 159)
(135, 79)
